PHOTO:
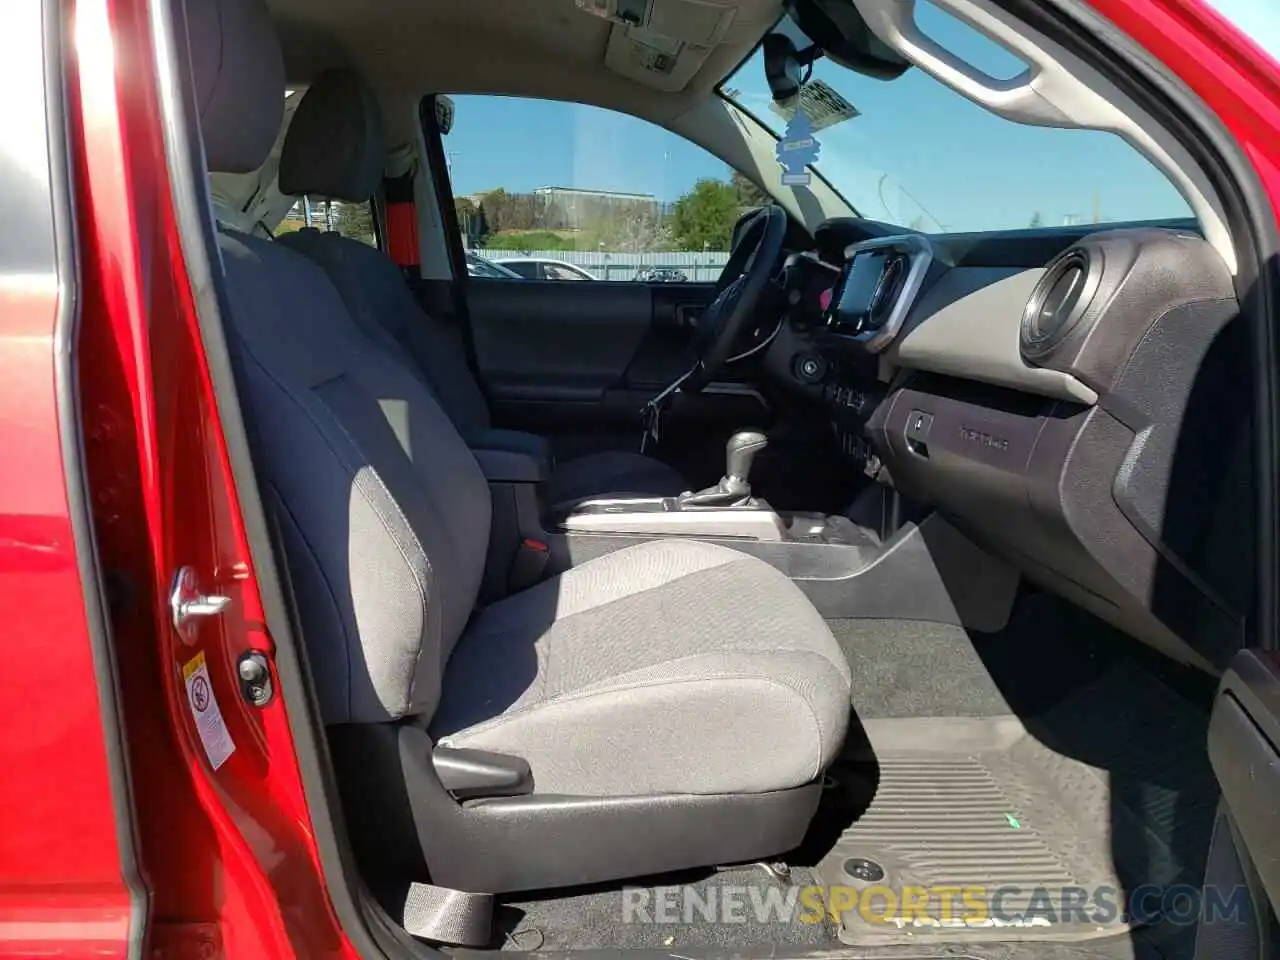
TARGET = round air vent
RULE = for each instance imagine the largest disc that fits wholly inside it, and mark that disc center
(1058, 302)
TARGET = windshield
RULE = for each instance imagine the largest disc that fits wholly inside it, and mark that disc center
(914, 153)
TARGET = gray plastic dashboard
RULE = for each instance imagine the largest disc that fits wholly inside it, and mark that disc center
(1080, 406)
(967, 325)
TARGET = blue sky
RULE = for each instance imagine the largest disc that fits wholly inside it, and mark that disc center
(522, 144)
(916, 154)
(1259, 19)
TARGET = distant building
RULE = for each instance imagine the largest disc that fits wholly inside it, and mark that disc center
(574, 207)
(572, 193)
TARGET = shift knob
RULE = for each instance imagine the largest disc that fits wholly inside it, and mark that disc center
(740, 451)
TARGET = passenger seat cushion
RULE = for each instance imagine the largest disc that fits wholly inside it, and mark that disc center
(668, 667)
(613, 474)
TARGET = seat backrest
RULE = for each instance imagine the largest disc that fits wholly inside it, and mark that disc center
(334, 148)
(383, 511)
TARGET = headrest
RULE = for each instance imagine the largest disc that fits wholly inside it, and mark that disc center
(239, 79)
(334, 147)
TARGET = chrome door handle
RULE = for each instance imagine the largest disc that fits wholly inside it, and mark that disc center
(187, 604)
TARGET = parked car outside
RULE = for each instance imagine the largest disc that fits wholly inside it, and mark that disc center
(661, 275)
(534, 268)
(478, 266)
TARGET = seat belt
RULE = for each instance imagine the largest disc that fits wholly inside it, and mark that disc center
(448, 916)
(441, 185)
(402, 222)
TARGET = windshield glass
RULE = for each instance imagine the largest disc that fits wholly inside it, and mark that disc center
(914, 153)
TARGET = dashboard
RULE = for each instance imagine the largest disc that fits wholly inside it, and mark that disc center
(1076, 400)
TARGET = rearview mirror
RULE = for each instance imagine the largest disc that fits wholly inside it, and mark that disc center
(782, 67)
(444, 114)
(837, 28)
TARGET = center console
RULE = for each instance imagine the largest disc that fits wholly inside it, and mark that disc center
(851, 396)
(668, 516)
(757, 522)
(925, 571)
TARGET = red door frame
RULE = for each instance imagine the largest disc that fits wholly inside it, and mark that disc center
(230, 855)
(1235, 78)
(68, 878)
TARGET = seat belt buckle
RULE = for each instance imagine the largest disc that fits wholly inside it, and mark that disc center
(528, 564)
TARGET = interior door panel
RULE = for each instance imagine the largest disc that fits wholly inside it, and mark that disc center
(578, 361)
(551, 340)
(667, 351)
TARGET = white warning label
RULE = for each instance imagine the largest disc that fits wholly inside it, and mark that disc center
(204, 707)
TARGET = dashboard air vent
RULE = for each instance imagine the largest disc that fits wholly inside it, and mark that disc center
(887, 290)
(1058, 302)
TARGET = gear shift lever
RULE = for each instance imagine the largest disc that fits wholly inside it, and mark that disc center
(734, 488)
(739, 453)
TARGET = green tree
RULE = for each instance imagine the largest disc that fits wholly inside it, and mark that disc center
(528, 240)
(703, 218)
(749, 195)
(355, 220)
(471, 220)
(496, 205)
(1036, 220)
(512, 211)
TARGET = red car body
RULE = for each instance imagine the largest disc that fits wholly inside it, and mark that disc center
(229, 862)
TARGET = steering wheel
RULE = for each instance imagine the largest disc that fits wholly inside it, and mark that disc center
(741, 285)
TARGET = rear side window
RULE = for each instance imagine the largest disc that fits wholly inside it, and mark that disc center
(592, 194)
(354, 220)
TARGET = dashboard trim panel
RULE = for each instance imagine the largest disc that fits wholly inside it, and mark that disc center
(969, 325)
(1110, 463)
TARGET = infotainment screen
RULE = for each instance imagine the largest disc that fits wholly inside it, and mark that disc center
(852, 304)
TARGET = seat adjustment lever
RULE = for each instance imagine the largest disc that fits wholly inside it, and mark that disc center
(468, 774)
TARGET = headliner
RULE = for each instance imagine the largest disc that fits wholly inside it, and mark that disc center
(548, 49)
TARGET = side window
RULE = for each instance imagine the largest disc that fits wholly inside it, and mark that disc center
(562, 191)
(354, 220)
(556, 271)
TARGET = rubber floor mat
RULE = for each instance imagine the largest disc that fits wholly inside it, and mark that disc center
(997, 836)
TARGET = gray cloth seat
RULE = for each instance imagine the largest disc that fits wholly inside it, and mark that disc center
(334, 148)
(677, 702)
(598, 676)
